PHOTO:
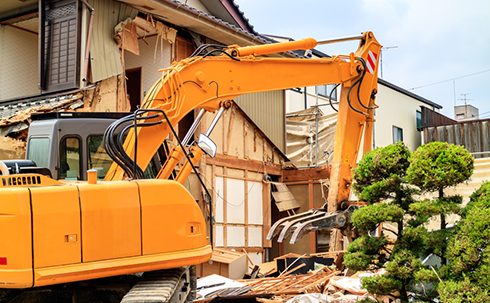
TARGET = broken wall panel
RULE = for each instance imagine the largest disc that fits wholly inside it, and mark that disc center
(11, 148)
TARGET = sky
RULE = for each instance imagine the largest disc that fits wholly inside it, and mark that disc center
(437, 49)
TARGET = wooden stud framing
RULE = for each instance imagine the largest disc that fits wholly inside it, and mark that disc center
(225, 219)
(245, 184)
(266, 208)
(251, 165)
(311, 206)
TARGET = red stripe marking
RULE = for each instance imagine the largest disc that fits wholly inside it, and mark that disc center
(3, 260)
(371, 63)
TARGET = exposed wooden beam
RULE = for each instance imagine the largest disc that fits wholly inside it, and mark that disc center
(252, 165)
(306, 174)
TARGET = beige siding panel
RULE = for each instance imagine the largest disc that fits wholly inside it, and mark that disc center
(266, 110)
(104, 51)
(18, 63)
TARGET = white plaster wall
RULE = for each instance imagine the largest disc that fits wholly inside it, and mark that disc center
(396, 109)
(149, 61)
(18, 63)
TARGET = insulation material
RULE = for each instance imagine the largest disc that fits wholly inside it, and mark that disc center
(255, 237)
(255, 205)
(235, 201)
(283, 198)
(164, 33)
(301, 133)
(11, 149)
(235, 236)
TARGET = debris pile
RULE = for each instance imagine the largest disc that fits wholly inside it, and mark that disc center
(290, 278)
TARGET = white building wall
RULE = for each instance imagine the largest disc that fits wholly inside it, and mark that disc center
(400, 110)
(18, 63)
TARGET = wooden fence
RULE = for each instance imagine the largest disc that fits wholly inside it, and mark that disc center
(473, 135)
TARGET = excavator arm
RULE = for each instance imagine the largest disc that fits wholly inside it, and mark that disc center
(208, 82)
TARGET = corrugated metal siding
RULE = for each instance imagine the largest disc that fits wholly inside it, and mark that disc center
(104, 51)
(266, 110)
(473, 135)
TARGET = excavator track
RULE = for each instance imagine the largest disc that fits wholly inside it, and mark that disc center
(164, 286)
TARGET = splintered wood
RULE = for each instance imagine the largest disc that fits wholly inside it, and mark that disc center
(291, 285)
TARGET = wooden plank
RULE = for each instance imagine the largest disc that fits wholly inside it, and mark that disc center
(311, 206)
(283, 196)
(287, 205)
(252, 165)
(245, 185)
(230, 129)
(225, 198)
(485, 136)
(307, 174)
(266, 200)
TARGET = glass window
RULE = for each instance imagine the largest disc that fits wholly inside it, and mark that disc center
(70, 159)
(324, 91)
(419, 120)
(397, 134)
(39, 151)
(98, 158)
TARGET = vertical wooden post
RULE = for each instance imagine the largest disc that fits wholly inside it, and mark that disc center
(266, 207)
(311, 206)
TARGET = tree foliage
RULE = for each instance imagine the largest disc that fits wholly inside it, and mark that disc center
(437, 165)
(469, 253)
(380, 176)
(382, 179)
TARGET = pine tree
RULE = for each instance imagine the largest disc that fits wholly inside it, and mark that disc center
(380, 180)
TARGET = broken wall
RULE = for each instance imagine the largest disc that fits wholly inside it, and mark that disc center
(235, 178)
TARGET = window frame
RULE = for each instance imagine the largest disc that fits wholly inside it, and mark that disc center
(80, 154)
(398, 131)
(326, 92)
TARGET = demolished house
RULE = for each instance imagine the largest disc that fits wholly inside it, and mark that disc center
(104, 55)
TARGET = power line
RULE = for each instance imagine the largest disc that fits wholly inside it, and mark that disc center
(452, 79)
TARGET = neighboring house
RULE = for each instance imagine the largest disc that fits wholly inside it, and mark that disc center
(397, 118)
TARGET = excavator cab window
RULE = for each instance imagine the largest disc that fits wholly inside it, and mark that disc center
(70, 158)
(98, 158)
(39, 151)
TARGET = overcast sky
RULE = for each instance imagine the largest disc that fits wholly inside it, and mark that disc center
(426, 41)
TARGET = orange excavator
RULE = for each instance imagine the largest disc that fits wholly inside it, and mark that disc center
(55, 232)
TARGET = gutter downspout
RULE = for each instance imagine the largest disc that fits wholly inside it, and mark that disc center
(89, 39)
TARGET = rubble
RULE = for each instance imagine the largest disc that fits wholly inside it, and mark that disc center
(301, 281)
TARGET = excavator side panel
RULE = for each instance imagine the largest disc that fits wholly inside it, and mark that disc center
(111, 226)
(56, 226)
(172, 220)
(15, 238)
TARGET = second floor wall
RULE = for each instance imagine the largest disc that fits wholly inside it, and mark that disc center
(18, 61)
